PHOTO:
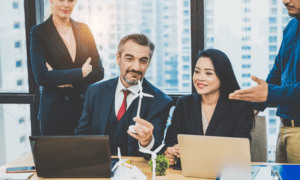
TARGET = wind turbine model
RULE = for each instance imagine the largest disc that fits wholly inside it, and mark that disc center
(140, 94)
(153, 158)
(120, 162)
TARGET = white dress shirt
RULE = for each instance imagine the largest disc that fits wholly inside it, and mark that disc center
(119, 96)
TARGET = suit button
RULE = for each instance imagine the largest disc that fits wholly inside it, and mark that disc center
(66, 98)
(82, 96)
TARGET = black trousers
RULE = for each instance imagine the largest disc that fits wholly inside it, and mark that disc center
(56, 129)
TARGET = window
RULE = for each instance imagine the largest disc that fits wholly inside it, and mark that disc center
(246, 47)
(166, 17)
(210, 21)
(186, 13)
(273, 2)
(285, 19)
(247, 10)
(271, 66)
(284, 11)
(21, 120)
(18, 44)
(186, 58)
(22, 139)
(185, 40)
(273, 11)
(272, 39)
(272, 48)
(186, 31)
(246, 19)
(246, 28)
(186, 85)
(19, 63)
(246, 66)
(273, 29)
(272, 121)
(16, 25)
(246, 84)
(272, 112)
(273, 20)
(246, 56)
(210, 12)
(186, 22)
(19, 82)
(186, 68)
(185, 3)
(246, 75)
(272, 130)
(272, 57)
(186, 77)
(15, 5)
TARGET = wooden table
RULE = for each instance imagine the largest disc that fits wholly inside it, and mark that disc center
(140, 162)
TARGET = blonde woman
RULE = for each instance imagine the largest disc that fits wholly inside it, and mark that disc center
(65, 62)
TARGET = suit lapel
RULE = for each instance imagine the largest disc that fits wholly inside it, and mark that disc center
(78, 37)
(57, 40)
(197, 114)
(217, 115)
(107, 102)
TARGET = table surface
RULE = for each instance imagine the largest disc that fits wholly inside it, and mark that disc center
(140, 162)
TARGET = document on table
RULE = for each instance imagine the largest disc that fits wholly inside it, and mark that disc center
(15, 176)
(264, 173)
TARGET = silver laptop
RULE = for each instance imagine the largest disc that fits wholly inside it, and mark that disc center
(215, 157)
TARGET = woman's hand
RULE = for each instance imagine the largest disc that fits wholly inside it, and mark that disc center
(87, 68)
(61, 86)
(172, 153)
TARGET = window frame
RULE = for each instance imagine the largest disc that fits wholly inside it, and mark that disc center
(34, 14)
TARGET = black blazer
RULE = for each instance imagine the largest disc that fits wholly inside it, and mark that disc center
(231, 118)
(100, 99)
(57, 104)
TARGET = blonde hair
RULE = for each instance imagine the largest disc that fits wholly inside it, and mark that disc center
(49, 12)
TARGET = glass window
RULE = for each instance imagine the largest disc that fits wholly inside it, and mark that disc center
(285, 19)
(246, 56)
(272, 112)
(15, 5)
(167, 24)
(284, 11)
(13, 47)
(185, 3)
(19, 63)
(15, 129)
(237, 38)
(16, 25)
(273, 11)
(272, 20)
(272, 57)
(272, 39)
(246, 75)
(273, 29)
(186, 77)
(186, 68)
(272, 48)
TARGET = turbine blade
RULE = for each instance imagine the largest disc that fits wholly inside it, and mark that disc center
(159, 148)
(145, 151)
(116, 165)
(119, 153)
(148, 95)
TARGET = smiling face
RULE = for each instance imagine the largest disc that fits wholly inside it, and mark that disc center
(293, 7)
(205, 79)
(63, 8)
(133, 61)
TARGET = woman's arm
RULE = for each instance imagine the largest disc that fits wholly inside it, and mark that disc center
(40, 71)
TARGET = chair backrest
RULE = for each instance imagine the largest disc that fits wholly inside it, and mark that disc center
(258, 145)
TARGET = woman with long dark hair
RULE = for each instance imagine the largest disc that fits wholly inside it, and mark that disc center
(65, 61)
(209, 111)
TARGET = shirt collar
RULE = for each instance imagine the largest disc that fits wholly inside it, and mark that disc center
(133, 89)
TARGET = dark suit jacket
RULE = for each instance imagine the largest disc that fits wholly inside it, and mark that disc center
(57, 104)
(99, 100)
(231, 118)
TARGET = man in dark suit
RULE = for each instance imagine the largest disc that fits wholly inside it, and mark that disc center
(110, 107)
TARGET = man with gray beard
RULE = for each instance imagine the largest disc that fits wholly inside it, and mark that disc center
(110, 107)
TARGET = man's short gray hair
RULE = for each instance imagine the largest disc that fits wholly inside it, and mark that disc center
(140, 39)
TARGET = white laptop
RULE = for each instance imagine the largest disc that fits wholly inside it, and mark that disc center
(215, 157)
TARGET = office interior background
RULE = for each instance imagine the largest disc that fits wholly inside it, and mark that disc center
(248, 31)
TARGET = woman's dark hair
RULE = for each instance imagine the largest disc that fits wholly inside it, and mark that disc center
(223, 70)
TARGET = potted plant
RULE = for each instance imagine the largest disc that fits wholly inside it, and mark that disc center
(162, 164)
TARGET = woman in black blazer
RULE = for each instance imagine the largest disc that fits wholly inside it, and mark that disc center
(65, 61)
(209, 111)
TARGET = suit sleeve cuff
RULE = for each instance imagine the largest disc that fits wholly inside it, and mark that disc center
(274, 94)
(149, 147)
